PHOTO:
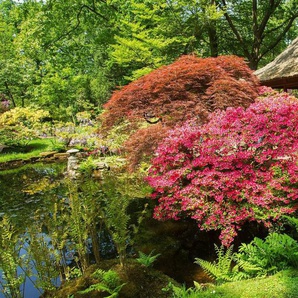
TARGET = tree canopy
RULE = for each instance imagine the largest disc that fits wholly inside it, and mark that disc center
(67, 56)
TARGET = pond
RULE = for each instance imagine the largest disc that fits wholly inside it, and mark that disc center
(53, 228)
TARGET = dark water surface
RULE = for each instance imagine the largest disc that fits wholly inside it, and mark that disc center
(35, 188)
(23, 191)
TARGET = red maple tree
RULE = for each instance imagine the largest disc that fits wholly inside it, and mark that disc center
(189, 88)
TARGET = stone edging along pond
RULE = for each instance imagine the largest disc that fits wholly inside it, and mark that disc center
(51, 156)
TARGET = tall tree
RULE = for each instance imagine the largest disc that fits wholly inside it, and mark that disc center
(255, 28)
(55, 54)
(153, 33)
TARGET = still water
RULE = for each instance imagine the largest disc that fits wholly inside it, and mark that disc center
(23, 192)
(41, 206)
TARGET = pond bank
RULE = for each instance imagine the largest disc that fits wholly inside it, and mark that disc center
(45, 157)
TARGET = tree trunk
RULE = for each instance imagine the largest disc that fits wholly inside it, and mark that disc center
(95, 244)
(213, 40)
(10, 95)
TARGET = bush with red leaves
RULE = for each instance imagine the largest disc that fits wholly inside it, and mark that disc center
(189, 88)
(240, 166)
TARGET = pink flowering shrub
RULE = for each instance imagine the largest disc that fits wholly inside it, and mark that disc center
(241, 166)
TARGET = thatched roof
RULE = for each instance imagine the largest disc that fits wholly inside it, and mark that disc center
(282, 72)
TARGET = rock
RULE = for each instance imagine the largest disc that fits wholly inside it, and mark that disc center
(47, 154)
(101, 166)
(61, 155)
(73, 151)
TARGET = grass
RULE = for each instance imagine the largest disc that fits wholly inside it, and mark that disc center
(281, 285)
(33, 149)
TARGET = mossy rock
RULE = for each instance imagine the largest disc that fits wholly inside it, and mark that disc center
(140, 282)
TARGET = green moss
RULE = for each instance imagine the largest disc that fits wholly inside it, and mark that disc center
(281, 285)
(33, 149)
(139, 282)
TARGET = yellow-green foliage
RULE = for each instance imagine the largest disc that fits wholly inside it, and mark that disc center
(29, 116)
(20, 125)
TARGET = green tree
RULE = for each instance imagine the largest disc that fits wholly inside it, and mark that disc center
(255, 29)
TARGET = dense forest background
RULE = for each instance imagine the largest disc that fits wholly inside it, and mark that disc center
(69, 56)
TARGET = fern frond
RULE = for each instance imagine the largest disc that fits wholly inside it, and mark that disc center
(221, 269)
(147, 260)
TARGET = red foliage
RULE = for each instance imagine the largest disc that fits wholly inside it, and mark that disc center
(141, 146)
(189, 88)
(240, 166)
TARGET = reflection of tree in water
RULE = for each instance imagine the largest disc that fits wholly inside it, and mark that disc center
(56, 218)
(24, 190)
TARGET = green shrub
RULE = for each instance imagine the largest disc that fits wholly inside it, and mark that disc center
(19, 126)
(263, 257)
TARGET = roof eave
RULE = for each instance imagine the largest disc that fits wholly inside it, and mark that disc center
(282, 83)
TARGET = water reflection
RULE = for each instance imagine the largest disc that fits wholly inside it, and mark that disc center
(53, 228)
(52, 225)
(19, 202)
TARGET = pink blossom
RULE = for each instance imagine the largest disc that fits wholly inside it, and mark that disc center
(240, 166)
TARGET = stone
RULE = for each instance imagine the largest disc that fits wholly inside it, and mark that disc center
(47, 154)
(72, 151)
(62, 155)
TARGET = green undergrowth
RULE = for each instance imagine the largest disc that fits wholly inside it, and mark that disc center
(281, 285)
(33, 149)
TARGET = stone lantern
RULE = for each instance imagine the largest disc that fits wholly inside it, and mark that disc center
(72, 163)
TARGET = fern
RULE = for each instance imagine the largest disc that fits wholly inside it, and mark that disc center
(147, 260)
(221, 269)
(263, 257)
(10, 259)
(109, 282)
(183, 292)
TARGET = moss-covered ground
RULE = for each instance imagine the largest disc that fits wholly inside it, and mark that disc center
(142, 282)
(32, 149)
(281, 285)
